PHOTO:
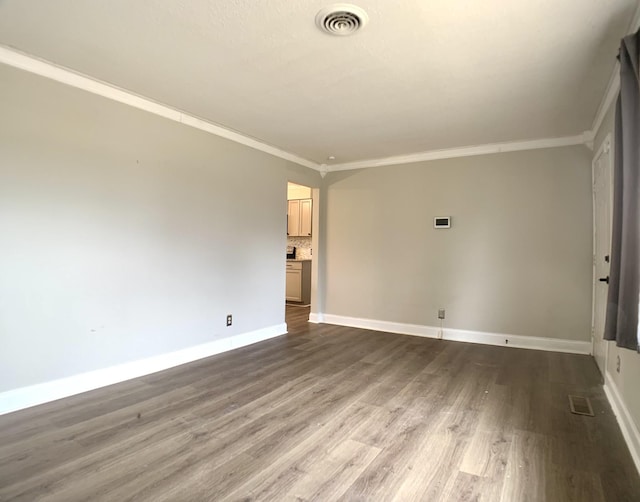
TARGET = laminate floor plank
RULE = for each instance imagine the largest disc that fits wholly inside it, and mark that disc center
(449, 359)
(470, 488)
(331, 477)
(74, 409)
(566, 484)
(528, 458)
(389, 379)
(330, 413)
(298, 456)
(386, 473)
(487, 454)
(435, 463)
(295, 422)
(70, 475)
(61, 444)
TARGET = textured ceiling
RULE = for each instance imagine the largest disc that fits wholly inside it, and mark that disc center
(421, 76)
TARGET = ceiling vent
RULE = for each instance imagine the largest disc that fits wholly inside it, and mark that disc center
(341, 19)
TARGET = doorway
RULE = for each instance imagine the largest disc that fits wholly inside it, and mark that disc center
(301, 236)
(602, 217)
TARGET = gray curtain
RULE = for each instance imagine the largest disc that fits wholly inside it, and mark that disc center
(621, 322)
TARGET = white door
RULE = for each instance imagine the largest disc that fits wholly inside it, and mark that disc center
(602, 244)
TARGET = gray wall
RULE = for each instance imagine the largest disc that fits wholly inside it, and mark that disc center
(629, 376)
(124, 235)
(517, 259)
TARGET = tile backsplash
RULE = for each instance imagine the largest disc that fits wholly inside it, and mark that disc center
(303, 247)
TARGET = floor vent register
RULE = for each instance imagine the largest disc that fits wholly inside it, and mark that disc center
(580, 406)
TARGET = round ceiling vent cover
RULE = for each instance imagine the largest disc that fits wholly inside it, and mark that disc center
(341, 19)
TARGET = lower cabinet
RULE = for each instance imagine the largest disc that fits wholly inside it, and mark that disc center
(298, 282)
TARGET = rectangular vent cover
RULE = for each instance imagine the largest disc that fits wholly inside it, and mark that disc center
(580, 406)
(442, 222)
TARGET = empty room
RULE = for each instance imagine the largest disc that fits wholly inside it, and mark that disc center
(302, 250)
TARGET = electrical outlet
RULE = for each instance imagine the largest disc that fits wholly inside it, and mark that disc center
(441, 313)
(229, 320)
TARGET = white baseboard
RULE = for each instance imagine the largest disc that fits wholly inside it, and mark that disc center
(316, 318)
(625, 420)
(459, 335)
(33, 395)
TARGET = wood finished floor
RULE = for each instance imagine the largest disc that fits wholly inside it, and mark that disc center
(329, 413)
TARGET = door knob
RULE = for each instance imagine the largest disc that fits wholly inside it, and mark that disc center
(604, 279)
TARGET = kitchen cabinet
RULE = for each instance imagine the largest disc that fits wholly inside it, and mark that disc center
(298, 281)
(299, 215)
(293, 218)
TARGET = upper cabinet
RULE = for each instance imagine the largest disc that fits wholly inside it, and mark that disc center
(293, 218)
(299, 218)
(305, 217)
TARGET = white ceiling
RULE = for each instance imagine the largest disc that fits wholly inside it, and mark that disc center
(421, 76)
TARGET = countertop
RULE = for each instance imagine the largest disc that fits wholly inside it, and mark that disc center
(299, 259)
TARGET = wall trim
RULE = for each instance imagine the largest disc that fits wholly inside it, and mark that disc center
(22, 61)
(460, 335)
(468, 151)
(316, 318)
(25, 397)
(43, 68)
(610, 94)
(625, 420)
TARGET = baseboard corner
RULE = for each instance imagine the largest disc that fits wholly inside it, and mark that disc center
(316, 317)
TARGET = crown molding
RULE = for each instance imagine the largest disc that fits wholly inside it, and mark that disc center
(609, 97)
(22, 61)
(468, 151)
(43, 68)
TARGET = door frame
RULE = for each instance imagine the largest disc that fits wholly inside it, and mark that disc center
(604, 149)
(316, 241)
